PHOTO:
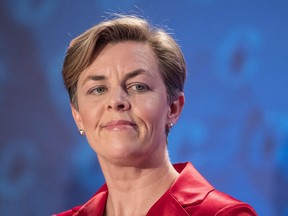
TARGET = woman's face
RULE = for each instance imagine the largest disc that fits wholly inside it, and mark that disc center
(123, 106)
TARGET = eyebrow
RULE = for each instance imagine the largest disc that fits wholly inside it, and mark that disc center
(134, 73)
(128, 76)
(93, 78)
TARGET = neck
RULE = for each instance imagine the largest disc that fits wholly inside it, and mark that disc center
(133, 190)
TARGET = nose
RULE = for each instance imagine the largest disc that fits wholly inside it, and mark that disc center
(118, 100)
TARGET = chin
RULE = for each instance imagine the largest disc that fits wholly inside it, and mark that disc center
(128, 155)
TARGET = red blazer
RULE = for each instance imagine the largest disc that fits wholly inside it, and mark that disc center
(190, 194)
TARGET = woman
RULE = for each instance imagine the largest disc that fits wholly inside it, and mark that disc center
(125, 80)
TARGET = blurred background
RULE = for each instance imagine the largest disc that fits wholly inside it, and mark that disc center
(234, 128)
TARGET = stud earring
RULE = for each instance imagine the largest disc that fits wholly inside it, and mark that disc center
(169, 125)
(168, 128)
(81, 132)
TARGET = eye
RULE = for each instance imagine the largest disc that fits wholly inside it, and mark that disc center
(98, 90)
(139, 87)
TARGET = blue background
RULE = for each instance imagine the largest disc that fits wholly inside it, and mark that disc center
(234, 126)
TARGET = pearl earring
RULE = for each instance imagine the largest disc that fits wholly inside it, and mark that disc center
(81, 132)
(169, 125)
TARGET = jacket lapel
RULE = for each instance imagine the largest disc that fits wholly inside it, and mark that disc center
(96, 205)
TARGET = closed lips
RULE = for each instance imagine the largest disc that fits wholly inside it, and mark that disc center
(116, 123)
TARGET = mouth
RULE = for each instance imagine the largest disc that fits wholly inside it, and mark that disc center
(117, 125)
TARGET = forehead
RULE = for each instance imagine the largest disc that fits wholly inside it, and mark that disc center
(124, 56)
(126, 48)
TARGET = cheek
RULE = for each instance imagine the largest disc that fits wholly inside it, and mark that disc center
(152, 112)
(90, 114)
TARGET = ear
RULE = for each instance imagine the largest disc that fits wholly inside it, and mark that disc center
(77, 117)
(176, 108)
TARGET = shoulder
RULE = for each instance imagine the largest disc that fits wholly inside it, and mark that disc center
(95, 204)
(220, 204)
(198, 197)
(70, 212)
(237, 209)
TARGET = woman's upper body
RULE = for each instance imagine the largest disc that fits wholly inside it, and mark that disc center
(190, 194)
(125, 80)
(120, 96)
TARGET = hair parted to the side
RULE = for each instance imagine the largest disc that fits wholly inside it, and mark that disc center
(83, 50)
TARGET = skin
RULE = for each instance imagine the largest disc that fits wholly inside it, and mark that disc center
(124, 112)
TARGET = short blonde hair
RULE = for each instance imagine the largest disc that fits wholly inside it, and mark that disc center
(84, 48)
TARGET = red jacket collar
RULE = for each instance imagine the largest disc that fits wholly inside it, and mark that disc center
(190, 188)
(96, 205)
